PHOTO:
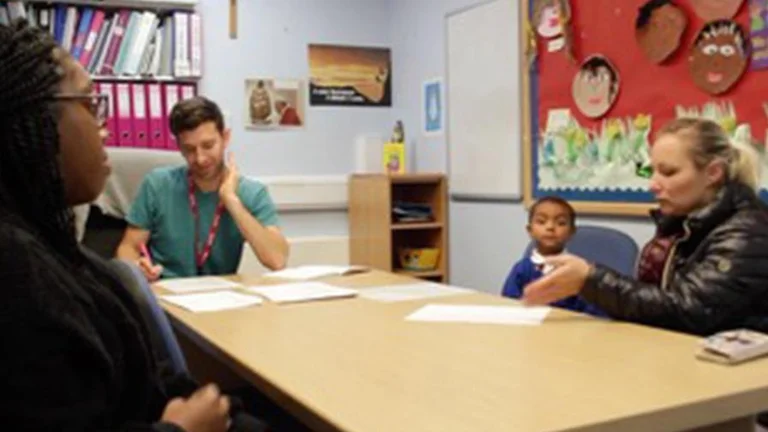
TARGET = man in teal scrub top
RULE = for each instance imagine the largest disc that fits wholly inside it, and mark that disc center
(193, 219)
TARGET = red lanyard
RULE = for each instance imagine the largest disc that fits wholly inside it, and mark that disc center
(201, 255)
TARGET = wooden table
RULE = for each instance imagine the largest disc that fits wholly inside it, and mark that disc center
(357, 365)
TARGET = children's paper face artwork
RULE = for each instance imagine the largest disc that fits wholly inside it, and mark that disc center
(710, 10)
(757, 13)
(595, 86)
(546, 17)
(659, 28)
(718, 56)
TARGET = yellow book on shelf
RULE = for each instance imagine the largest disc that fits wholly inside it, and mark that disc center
(394, 158)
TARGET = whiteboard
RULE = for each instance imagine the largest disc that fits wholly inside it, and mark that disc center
(484, 102)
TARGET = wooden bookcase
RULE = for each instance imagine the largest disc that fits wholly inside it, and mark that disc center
(375, 238)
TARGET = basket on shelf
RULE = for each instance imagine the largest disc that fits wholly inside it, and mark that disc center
(418, 259)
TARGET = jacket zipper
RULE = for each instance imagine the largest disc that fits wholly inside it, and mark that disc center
(670, 256)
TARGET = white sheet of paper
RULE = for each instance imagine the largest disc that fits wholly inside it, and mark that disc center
(416, 291)
(311, 272)
(304, 291)
(212, 301)
(509, 315)
(558, 119)
(197, 284)
(556, 44)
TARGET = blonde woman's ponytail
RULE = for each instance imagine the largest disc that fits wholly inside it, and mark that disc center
(744, 164)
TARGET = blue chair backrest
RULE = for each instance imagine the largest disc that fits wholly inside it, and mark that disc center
(163, 340)
(601, 245)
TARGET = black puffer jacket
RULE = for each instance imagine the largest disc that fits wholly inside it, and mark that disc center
(716, 277)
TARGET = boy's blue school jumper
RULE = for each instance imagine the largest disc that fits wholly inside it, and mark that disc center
(525, 272)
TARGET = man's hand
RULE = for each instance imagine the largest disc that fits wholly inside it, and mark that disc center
(228, 188)
(151, 272)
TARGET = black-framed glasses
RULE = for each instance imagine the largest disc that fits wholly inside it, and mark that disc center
(98, 103)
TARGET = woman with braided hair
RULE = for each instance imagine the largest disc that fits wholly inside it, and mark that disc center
(75, 353)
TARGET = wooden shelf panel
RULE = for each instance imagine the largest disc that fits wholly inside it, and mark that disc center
(405, 226)
(423, 274)
(408, 178)
(415, 178)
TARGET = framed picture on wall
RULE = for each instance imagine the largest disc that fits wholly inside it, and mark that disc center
(350, 76)
(273, 103)
(432, 116)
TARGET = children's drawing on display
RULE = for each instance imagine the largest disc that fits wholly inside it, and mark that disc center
(595, 86)
(758, 34)
(719, 56)
(659, 29)
(615, 157)
(552, 22)
(710, 10)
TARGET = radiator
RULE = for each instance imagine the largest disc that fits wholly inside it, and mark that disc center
(331, 250)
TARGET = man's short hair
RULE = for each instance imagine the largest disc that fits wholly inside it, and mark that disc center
(189, 114)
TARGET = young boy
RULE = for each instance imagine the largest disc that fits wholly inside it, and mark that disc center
(551, 223)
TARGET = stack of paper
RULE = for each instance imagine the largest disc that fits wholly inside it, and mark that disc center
(315, 271)
(299, 292)
(416, 291)
(212, 301)
(197, 284)
(509, 315)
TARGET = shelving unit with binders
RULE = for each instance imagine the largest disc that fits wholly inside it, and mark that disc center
(146, 55)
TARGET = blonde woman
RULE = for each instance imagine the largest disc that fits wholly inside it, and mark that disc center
(705, 271)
